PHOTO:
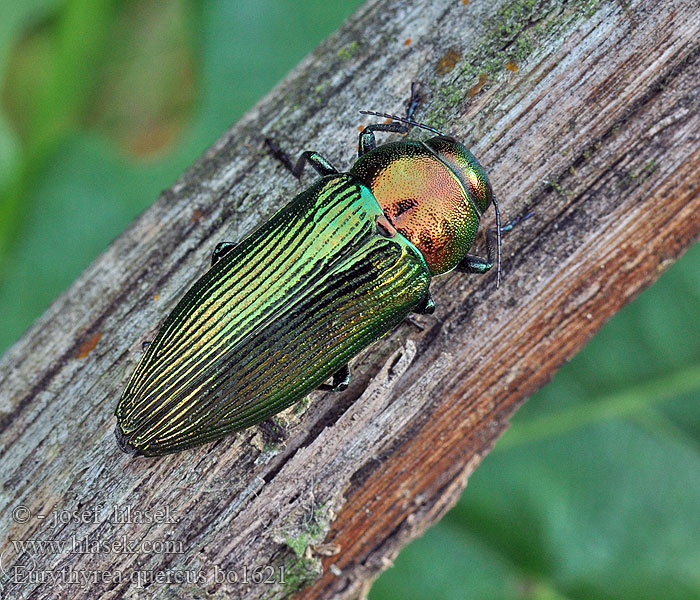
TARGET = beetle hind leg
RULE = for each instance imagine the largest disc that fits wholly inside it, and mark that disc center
(341, 381)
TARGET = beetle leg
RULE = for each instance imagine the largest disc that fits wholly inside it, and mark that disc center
(426, 306)
(320, 164)
(221, 250)
(341, 381)
(413, 101)
(367, 139)
(409, 319)
(476, 264)
(513, 222)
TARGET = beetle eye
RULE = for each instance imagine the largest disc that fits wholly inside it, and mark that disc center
(448, 138)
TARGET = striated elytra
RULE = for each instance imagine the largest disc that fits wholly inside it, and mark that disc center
(286, 308)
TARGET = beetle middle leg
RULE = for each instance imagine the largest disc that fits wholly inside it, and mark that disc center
(318, 162)
(425, 307)
(341, 381)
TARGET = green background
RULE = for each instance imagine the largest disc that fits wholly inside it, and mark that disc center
(594, 493)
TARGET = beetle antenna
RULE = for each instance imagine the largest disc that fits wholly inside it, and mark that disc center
(402, 120)
(498, 242)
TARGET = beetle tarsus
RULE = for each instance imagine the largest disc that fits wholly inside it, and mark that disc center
(368, 141)
(341, 381)
(414, 100)
(221, 250)
(513, 222)
(398, 124)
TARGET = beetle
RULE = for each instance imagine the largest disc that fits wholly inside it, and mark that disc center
(334, 270)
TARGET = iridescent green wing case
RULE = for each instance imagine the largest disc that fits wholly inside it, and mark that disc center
(275, 317)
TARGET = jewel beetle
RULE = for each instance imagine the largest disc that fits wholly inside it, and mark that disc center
(287, 307)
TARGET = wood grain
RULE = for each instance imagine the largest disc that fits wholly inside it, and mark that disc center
(585, 112)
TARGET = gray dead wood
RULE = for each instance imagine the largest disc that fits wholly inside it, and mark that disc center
(585, 112)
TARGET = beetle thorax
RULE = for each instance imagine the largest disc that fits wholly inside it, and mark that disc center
(423, 198)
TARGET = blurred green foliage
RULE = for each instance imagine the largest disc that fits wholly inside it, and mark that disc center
(104, 103)
(594, 493)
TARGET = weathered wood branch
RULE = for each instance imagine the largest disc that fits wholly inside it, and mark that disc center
(585, 112)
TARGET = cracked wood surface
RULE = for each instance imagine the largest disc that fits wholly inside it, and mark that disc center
(585, 112)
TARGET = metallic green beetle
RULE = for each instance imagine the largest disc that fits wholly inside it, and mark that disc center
(286, 308)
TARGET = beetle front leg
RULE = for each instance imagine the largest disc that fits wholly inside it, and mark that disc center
(320, 164)
(476, 264)
(367, 139)
(341, 381)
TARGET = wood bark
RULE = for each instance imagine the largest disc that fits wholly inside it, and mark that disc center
(584, 112)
